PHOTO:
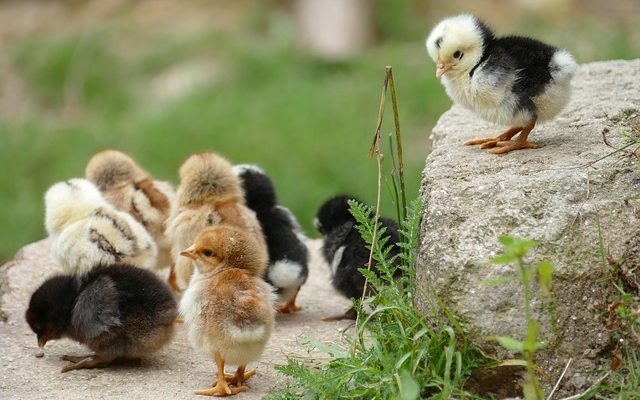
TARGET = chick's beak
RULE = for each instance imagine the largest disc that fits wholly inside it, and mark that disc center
(42, 341)
(189, 252)
(442, 69)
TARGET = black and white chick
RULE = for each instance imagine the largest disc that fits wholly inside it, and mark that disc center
(344, 249)
(288, 255)
(119, 311)
(512, 81)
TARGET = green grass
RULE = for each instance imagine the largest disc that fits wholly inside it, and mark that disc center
(301, 119)
(308, 123)
(394, 353)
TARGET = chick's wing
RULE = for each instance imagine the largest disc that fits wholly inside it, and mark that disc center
(96, 310)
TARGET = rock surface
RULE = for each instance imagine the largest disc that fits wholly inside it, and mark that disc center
(174, 373)
(555, 194)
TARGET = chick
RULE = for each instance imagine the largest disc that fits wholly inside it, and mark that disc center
(513, 81)
(209, 194)
(87, 231)
(131, 189)
(118, 311)
(288, 255)
(344, 249)
(227, 307)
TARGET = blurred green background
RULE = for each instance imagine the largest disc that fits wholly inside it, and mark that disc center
(161, 79)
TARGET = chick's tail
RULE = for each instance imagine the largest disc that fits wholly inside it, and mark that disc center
(563, 66)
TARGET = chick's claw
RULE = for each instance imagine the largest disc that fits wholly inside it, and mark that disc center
(221, 389)
(511, 145)
(85, 362)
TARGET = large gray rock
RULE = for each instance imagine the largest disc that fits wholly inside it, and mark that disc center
(555, 195)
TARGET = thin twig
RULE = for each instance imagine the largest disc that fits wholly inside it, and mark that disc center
(560, 379)
(396, 120)
(596, 383)
(375, 149)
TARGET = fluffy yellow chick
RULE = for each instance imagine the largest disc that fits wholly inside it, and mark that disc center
(228, 308)
(209, 194)
(86, 231)
(131, 189)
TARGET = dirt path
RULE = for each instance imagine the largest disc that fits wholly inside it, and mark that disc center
(173, 373)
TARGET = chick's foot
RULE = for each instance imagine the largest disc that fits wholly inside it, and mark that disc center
(511, 145)
(85, 362)
(238, 378)
(291, 306)
(489, 142)
(221, 389)
(518, 144)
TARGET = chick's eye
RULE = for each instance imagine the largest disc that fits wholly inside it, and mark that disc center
(207, 253)
(458, 54)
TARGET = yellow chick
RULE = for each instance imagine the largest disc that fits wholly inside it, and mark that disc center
(131, 189)
(228, 308)
(209, 194)
(86, 231)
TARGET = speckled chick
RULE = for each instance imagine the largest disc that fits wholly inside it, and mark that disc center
(130, 188)
(228, 307)
(288, 255)
(512, 81)
(87, 231)
(209, 194)
(118, 311)
(344, 249)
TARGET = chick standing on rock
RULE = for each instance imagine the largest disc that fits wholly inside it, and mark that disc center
(209, 194)
(131, 189)
(87, 231)
(288, 255)
(514, 81)
(118, 311)
(227, 307)
(344, 249)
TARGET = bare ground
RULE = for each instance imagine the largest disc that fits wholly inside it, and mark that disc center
(173, 373)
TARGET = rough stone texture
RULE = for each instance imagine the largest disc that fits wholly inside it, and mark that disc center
(554, 195)
(173, 373)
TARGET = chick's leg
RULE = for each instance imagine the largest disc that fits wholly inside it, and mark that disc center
(220, 387)
(239, 377)
(86, 362)
(488, 142)
(291, 305)
(518, 144)
(173, 280)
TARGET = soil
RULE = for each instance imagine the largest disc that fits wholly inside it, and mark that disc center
(175, 372)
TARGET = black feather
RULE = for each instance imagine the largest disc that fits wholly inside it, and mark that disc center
(278, 224)
(339, 231)
(112, 309)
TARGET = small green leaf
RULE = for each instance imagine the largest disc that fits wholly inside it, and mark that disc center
(502, 259)
(408, 387)
(530, 342)
(545, 277)
(509, 343)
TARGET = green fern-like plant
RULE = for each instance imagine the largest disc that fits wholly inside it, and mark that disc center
(394, 353)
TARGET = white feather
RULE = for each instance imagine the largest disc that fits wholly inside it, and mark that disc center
(337, 258)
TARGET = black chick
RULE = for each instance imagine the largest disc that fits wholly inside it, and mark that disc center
(344, 249)
(513, 81)
(288, 255)
(118, 311)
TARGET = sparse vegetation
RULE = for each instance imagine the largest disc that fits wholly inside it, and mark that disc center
(393, 353)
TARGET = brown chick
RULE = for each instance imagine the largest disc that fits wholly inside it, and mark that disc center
(209, 194)
(131, 189)
(228, 308)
